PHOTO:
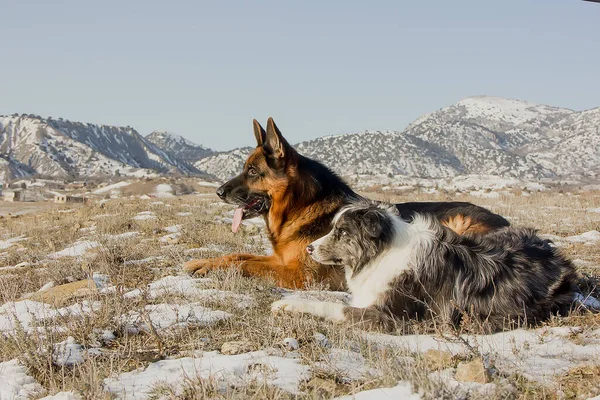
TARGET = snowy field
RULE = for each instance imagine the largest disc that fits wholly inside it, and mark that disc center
(93, 304)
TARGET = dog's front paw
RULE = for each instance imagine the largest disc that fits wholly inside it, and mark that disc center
(291, 305)
(198, 267)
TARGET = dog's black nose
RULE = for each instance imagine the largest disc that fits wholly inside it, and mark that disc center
(221, 192)
(310, 249)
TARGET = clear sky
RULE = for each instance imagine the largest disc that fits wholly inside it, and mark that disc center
(205, 69)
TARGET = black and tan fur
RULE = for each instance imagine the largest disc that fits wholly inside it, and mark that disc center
(298, 198)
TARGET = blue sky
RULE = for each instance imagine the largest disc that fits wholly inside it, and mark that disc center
(205, 69)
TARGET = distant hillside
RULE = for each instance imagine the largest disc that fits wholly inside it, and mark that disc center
(179, 147)
(478, 135)
(481, 135)
(63, 148)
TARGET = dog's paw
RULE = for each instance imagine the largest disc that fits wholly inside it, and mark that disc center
(198, 267)
(291, 305)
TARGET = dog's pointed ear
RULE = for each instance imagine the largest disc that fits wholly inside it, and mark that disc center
(259, 133)
(274, 143)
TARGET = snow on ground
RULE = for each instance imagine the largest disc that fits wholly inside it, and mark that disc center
(402, 391)
(587, 237)
(166, 316)
(24, 313)
(163, 190)
(347, 364)
(538, 355)
(172, 228)
(184, 214)
(62, 396)
(144, 215)
(187, 287)
(68, 353)
(78, 249)
(284, 372)
(112, 188)
(15, 383)
(6, 243)
(594, 210)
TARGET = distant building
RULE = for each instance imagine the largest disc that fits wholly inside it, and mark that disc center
(9, 195)
(23, 195)
(65, 198)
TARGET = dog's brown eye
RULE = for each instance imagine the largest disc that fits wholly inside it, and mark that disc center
(343, 232)
(252, 171)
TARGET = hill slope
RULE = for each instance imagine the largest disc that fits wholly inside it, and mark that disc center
(478, 135)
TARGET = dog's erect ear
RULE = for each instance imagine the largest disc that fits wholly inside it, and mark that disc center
(259, 133)
(274, 143)
(373, 220)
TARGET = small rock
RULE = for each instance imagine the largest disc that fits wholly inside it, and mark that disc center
(437, 359)
(290, 343)
(472, 371)
(62, 293)
(321, 340)
(238, 347)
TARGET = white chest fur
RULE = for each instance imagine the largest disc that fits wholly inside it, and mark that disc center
(370, 285)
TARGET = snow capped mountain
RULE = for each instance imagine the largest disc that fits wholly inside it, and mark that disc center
(63, 148)
(478, 135)
(481, 135)
(179, 147)
(382, 153)
(225, 165)
(11, 169)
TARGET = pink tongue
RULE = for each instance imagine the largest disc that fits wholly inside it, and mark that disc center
(237, 219)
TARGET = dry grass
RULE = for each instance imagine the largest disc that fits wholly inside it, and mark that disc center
(48, 232)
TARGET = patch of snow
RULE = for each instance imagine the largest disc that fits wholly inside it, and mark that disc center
(285, 373)
(144, 215)
(101, 280)
(110, 188)
(62, 396)
(163, 190)
(68, 353)
(78, 249)
(173, 228)
(402, 391)
(347, 364)
(16, 383)
(25, 312)
(184, 214)
(6, 243)
(170, 237)
(165, 316)
(586, 237)
(538, 355)
(187, 287)
(594, 210)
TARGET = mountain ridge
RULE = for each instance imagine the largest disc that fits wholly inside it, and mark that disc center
(478, 135)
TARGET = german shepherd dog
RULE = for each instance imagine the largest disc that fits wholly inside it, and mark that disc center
(298, 198)
(398, 270)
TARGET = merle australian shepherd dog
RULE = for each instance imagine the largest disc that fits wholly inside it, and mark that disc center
(397, 269)
(298, 197)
